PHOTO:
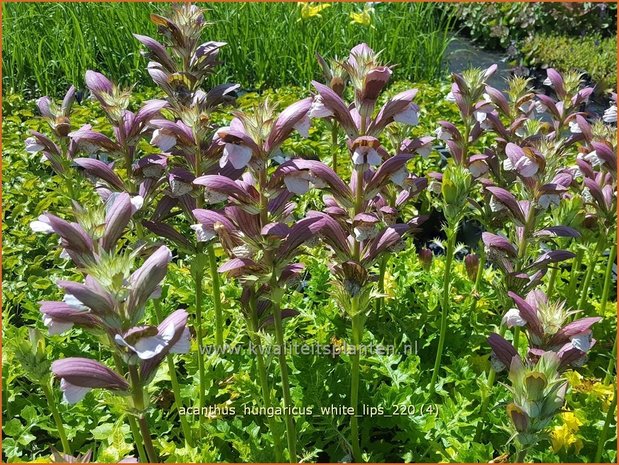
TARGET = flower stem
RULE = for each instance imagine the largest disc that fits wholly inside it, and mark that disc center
(291, 434)
(138, 402)
(449, 252)
(176, 389)
(219, 323)
(334, 147)
(571, 291)
(551, 281)
(589, 275)
(612, 411)
(608, 277)
(520, 455)
(611, 364)
(382, 267)
(357, 332)
(133, 425)
(357, 324)
(264, 384)
(66, 448)
(516, 337)
(478, 278)
(198, 274)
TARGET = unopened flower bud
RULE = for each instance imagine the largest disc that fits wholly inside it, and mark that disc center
(471, 263)
(519, 417)
(425, 257)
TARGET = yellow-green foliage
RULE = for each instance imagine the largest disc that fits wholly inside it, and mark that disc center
(594, 56)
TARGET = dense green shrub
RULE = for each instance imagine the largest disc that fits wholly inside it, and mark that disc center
(48, 46)
(597, 57)
(498, 25)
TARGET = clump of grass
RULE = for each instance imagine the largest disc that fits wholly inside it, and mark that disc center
(47, 46)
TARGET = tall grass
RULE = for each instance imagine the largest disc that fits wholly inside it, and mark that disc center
(46, 46)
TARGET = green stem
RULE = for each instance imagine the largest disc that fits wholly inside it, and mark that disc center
(357, 323)
(264, 385)
(589, 275)
(551, 281)
(612, 411)
(137, 391)
(219, 323)
(148, 442)
(176, 389)
(516, 337)
(449, 252)
(198, 274)
(357, 332)
(480, 270)
(478, 278)
(608, 278)
(571, 291)
(66, 448)
(611, 364)
(382, 267)
(283, 368)
(133, 425)
(334, 146)
(520, 455)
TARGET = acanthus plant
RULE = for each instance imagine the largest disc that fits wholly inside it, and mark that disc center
(336, 77)
(111, 303)
(538, 389)
(524, 178)
(596, 167)
(456, 182)
(59, 149)
(180, 68)
(110, 161)
(360, 216)
(528, 178)
(258, 231)
(597, 170)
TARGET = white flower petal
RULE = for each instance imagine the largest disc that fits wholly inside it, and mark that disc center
(513, 318)
(409, 116)
(238, 155)
(424, 151)
(582, 341)
(72, 301)
(72, 394)
(39, 226)
(610, 114)
(32, 146)
(296, 184)
(574, 127)
(56, 327)
(183, 345)
(202, 234)
(162, 140)
(303, 127)
(137, 201)
(318, 109)
(373, 158)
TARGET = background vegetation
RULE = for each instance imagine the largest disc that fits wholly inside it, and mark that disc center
(48, 46)
(567, 36)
